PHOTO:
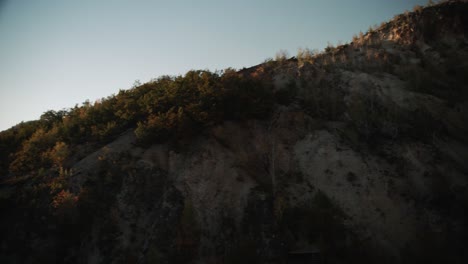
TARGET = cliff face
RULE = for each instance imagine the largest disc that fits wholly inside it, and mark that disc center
(362, 159)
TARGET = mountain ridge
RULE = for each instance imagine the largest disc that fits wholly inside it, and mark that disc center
(356, 154)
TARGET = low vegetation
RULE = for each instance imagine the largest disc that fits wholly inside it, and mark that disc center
(37, 157)
(164, 109)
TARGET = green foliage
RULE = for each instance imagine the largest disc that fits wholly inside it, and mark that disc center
(10, 142)
(181, 106)
(163, 109)
(246, 98)
(51, 117)
(305, 55)
(58, 154)
(30, 157)
(60, 182)
(161, 126)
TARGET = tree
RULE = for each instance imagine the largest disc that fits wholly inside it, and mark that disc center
(58, 154)
(31, 155)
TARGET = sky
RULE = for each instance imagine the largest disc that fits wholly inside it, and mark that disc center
(55, 54)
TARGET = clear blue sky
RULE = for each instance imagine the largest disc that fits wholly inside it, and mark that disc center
(57, 53)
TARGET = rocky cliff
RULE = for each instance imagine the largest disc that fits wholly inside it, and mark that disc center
(362, 158)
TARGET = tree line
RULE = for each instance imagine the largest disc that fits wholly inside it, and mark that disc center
(163, 109)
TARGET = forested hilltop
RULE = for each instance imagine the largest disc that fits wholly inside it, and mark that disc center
(354, 154)
(169, 108)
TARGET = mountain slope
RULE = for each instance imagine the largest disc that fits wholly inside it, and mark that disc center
(356, 154)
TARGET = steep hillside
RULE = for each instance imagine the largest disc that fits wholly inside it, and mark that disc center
(353, 155)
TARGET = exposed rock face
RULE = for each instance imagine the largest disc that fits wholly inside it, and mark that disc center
(364, 160)
(387, 194)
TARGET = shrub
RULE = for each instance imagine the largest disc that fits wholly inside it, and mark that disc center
(161, 126)
(305, 55)
(58, 154)
(64, 200)
(30, 157)
(61, 182)
(64, 204)
(281, 55)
